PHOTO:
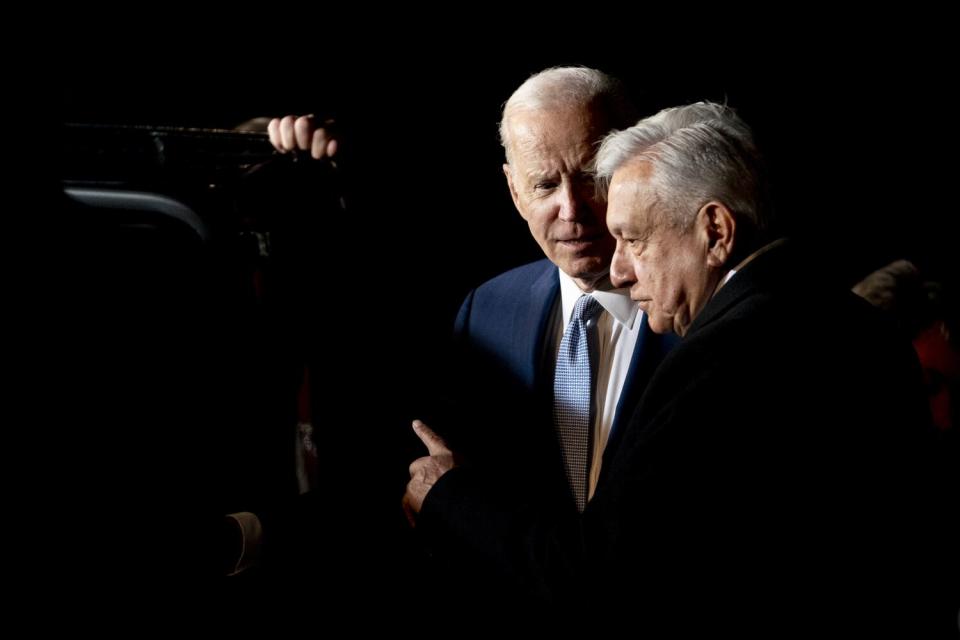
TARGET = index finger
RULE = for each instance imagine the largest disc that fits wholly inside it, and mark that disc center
(435, 444)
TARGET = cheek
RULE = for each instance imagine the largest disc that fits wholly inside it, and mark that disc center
(538, 227)
(539, 219)
(657, 282)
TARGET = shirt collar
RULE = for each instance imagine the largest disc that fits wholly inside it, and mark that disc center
(726, 278)
(616, 302)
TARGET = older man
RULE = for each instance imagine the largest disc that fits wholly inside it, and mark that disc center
(523, 380)
(551, 358)
(763, 479)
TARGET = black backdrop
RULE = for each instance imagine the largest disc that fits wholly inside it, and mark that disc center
(859, 133)
(859, 136)
(854, 118)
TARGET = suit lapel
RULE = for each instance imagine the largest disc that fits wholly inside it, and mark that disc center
(532, 331)
(647, 354)
(651, 348)
(531, 326)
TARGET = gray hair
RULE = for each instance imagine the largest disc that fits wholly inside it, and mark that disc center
(699, 152)
(569, 87)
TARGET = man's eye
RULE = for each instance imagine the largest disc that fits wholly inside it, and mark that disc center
(545, 184)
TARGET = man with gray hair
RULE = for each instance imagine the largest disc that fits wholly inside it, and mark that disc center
(552, 357)
(770, 446)
(755, 485)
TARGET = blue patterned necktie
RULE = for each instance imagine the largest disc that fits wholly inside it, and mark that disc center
(573, 397)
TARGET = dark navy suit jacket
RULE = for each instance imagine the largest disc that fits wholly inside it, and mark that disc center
(507, 377)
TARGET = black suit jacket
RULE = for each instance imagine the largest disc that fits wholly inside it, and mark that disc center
(768, 475)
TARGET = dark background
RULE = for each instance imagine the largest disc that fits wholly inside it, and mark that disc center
(853, 114)
(856, 124)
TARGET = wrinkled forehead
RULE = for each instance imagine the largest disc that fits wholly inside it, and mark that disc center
(631, 199)
(543, 135)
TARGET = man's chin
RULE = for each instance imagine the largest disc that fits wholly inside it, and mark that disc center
(661, 324)
(591, 268)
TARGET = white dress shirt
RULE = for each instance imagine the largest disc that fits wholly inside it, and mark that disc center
(617, 329)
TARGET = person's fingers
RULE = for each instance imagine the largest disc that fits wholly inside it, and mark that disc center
(415, 466)
(291, 133)
(318, 148)
(287, 141)
(409, 511)
(303, 131)
(273, 130)
(435, 444)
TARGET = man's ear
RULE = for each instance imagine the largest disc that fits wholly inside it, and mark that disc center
(719, 228)
(508, 171)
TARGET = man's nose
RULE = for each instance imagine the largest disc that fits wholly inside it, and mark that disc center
(574, 207)
(621, 269)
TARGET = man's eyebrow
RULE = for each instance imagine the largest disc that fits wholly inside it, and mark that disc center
(540, 174)
(627, 228)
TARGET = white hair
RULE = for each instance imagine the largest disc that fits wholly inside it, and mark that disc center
(699, 152)
(568, 87)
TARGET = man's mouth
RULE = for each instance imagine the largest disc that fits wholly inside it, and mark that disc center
(579, 242)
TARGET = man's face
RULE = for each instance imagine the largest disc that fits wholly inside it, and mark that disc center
(666, 270)
(552, 190)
